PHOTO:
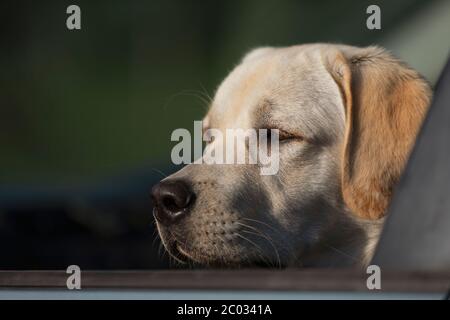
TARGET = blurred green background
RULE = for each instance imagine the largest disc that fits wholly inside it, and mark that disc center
(77, 105)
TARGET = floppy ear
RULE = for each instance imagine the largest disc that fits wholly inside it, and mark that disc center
(385, 104)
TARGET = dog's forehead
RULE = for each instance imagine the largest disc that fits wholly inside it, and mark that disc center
(290, 85)
(241, 91)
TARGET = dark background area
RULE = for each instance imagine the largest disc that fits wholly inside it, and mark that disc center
(86, 116)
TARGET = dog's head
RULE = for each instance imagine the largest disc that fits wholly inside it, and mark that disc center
(347, 119)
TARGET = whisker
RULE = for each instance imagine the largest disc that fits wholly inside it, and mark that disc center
(160, 172)
(190, 93)
(271, 244)
(256, 246)
(263, 223)
(266, 237)
(341, 252)
(155, 239)
(190, 266)
(205, 92)
(216, 248)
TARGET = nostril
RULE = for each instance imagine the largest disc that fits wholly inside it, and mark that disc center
(172, 198)
(170, 204)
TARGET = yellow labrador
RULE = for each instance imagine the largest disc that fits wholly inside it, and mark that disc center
(347, 119)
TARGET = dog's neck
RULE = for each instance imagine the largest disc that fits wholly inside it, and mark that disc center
(350, 243)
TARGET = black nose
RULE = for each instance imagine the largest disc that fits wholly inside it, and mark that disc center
(172, 200)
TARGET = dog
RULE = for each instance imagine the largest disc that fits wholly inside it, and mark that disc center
(347, 119)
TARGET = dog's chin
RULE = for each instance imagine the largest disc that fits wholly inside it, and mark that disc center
(192, 257)
(195, 258)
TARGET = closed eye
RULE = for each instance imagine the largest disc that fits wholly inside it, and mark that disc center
(284, 135)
